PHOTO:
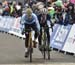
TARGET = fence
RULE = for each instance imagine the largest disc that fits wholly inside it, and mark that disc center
(62, 37)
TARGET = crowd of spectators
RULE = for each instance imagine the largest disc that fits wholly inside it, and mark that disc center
(15, 9)
(11, 8)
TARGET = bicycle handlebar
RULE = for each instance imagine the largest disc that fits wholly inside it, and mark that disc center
(27, 30)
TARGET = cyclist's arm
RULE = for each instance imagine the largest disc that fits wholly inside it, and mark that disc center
(22, 22)
(48, 20)
(37, 22)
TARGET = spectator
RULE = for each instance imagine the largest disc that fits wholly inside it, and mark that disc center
(11, 8)
(70, 11)
(6, 9)
(18, 9)
(1, 9)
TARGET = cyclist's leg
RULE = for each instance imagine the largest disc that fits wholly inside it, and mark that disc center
(26, 41)
(40, 37)
(40, 40)
(27, 35)
(35, 29)
(48, 35)
(36, 32)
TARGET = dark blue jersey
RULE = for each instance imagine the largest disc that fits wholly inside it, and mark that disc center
(44, 19)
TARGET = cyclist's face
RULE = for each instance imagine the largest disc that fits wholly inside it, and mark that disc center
(29, 16)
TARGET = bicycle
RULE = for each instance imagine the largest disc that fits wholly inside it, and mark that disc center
(30, 42)
(45, 45)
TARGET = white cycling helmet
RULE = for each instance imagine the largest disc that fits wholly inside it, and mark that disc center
(44, 11)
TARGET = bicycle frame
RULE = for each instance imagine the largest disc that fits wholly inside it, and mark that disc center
(30, 39)
(30, 43)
